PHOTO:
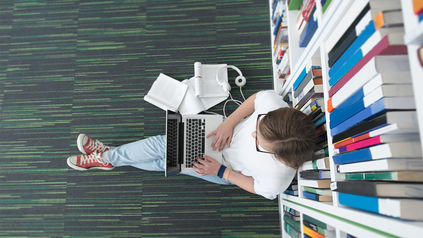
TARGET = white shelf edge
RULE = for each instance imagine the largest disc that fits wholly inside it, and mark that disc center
(351, 220)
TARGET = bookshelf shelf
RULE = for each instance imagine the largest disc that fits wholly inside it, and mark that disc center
(344, 219)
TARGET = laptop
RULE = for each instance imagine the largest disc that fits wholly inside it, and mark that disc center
(186, 140)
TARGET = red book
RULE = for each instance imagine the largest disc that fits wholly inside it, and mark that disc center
(382, 48)
(364, 143)
(343, 143)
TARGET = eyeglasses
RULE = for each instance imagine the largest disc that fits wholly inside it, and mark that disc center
(258, 147)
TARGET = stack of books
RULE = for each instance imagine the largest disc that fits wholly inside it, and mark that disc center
(293, 188)
(291, 219)
(280, 34)
(317, 229)
(373, 122)
(315, 177)
(306, 23)
(309, 85)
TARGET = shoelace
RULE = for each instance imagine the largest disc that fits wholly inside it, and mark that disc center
(92, 158)
(97, 146)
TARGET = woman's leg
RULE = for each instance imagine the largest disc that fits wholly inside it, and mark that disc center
(149, 154)
(146, 154)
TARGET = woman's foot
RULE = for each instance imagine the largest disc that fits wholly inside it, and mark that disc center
(88, 146)
(86, 162)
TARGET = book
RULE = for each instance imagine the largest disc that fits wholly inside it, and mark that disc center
(368, 79)
(405, 120)
(325, 232)
(411, 209)
(354, 10)
(315, 92)
(368, 38)
(394, 40)
(291, 192)
(321, 174)
(291, 231)
(291, 211)
(315, 74)
(392, 164)
(322, 163)
(312, 64)
(393, 92)
(319, 191)
(377, 108)
(350, 35)
(294, 5)
(317, 88)
(317, 197)
(387, 69)
(417, 7)
(309, 31)
(382, 151)
(405, 176)
(378, 140)
(379, 189)
(312, 233)
(166, 93)
(292, 223)
(318, 223)
(315, 183)
(358, 60)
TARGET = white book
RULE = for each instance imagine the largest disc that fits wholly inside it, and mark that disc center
(396, 128)
(393, 164)
(166, 93)
(324, 183)
(349, 17)
(393, 65)
(401, 96)
(354, 10)
(396, 149)
(322, 163)
(170, 94)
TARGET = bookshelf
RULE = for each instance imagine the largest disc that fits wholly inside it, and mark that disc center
(347, 221)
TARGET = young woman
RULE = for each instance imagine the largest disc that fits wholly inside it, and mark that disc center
(263, 142)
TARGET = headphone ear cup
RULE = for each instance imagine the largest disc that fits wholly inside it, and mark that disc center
(240, 81)
(226, 87)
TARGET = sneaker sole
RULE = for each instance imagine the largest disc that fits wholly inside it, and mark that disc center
(79, 143)
(84, 169)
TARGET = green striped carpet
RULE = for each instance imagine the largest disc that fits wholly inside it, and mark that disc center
(80, 66)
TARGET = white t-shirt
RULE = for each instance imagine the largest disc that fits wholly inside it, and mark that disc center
(271, 176)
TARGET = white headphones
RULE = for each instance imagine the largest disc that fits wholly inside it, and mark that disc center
(240, 81)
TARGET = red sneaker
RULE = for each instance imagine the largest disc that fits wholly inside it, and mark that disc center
(86, 162)
(88, 146)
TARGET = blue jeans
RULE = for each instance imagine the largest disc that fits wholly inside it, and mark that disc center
(149, 154)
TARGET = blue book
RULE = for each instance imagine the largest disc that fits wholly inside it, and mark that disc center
(361, 39)
(380, 106)
(347, 103)
(411, 209)
(354, 109)
(320, 121)
(308, 32)
(370, 204)
(381, 151)
(317, 197)
(299, 79)
(278, 23)
(374, 110)
(357, 43)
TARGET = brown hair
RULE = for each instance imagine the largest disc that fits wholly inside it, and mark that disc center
(292, 135)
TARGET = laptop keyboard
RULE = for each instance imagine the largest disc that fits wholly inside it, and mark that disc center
(172, 143)
(195, 140)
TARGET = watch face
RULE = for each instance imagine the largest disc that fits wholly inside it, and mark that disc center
(420, 55)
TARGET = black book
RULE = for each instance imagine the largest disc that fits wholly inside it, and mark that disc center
(347, 33)
(379, 189)
(362, 128)
(303, 83)
(321, 174)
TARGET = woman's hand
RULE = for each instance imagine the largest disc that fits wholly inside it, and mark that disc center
(209, 166)
(223, 134)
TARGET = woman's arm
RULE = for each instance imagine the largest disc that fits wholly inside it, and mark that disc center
(210, 166)
(225, 130)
